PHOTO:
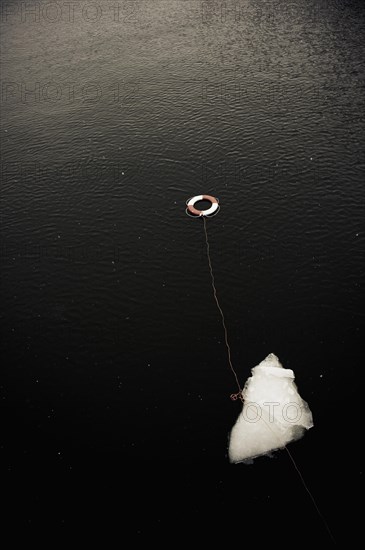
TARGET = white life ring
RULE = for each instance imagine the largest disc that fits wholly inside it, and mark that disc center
(192, 211)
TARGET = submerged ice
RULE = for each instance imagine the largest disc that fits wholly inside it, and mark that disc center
(273, 412)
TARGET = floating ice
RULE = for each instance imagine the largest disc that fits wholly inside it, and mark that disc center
(273, 412)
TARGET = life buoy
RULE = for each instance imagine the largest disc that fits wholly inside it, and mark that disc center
(192, 211)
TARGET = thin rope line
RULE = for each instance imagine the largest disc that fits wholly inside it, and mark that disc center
(234, 396)
(303, 483)
(321, 516)
(310, 494)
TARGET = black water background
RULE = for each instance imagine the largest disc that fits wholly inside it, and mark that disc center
(114, 364)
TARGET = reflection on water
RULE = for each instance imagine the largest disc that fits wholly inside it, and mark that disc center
(114, 115)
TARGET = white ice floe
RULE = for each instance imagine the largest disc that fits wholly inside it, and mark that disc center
(273, 412)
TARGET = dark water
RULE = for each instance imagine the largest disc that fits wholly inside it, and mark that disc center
(115, 376)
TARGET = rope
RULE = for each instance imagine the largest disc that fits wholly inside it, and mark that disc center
(311, 496)
(238, 395)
